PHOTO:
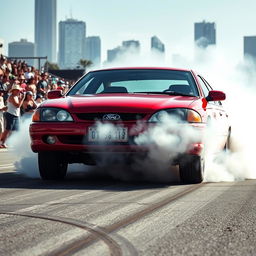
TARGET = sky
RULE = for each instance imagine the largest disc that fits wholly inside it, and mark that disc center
(172, 21)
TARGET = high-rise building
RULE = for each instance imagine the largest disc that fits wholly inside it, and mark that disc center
(132, 45)
(250, 47)
(1, 46)
(71, 42)
(128, 47)
(93, 49)
(205, 34)
(157, 45)
(113, 54)
(23, 48)
(45, 29)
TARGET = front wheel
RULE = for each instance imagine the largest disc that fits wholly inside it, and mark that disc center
(192, 169)
(52, 165)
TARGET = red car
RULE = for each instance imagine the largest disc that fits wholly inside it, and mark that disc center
(129, 101)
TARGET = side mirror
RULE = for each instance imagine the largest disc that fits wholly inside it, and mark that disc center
(216, 96)
(54, 94)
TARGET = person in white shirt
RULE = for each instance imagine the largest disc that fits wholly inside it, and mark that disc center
(2, 109)
(14, 102)
(28, 74)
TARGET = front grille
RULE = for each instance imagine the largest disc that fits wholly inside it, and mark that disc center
(99, 116)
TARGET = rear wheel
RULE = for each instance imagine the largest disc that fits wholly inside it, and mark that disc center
(52, 166)
(192, 169)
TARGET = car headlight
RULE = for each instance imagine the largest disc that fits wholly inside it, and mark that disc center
(182, 114)
(51, 115)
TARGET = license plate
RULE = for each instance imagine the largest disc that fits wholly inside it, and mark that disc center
(117, 134)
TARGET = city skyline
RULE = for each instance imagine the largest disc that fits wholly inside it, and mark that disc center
(115, 22)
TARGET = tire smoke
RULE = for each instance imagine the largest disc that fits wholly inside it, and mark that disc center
(163, 141)
(26, 160)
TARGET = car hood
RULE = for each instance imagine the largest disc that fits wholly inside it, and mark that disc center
(135, 103)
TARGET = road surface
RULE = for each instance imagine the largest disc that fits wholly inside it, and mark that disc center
(91, 214)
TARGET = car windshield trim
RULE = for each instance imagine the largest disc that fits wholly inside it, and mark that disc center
(161, 93)
(171, 93)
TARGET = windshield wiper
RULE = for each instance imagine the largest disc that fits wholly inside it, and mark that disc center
(169, 93)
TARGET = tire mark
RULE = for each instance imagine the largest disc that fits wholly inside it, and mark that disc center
(129, 220)
(104, 234)
(97, 232)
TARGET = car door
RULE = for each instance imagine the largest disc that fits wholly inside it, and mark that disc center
(216, 112)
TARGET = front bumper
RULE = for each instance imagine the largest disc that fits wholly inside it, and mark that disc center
(72, 137)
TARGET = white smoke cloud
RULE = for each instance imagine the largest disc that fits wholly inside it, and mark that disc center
(163, 142)
(237, 81)
(26, 160)
(166, 140)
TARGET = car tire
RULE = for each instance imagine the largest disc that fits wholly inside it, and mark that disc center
(52, 166)
(192, 169)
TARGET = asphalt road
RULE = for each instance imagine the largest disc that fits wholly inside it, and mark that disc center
(89, 214)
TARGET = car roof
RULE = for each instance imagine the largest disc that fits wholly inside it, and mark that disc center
(132, 68)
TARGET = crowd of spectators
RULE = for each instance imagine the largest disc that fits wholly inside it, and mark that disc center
(22, 89)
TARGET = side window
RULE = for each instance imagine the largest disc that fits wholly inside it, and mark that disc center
(100, 88)
(203, 86)
(207, 84)
(83, 88)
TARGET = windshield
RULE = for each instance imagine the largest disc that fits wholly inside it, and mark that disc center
(148, 81)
